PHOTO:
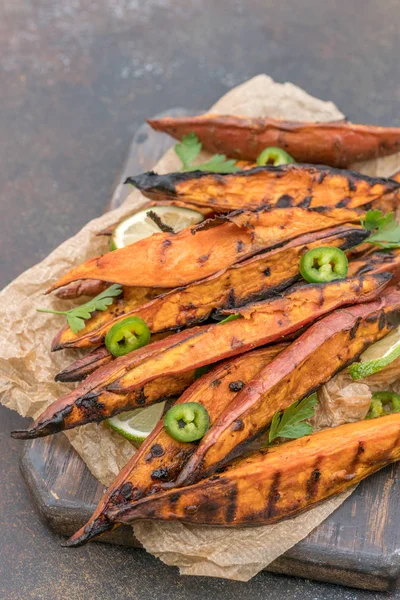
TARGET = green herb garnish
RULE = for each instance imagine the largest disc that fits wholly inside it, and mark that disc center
(290, 423)
(230, 318)
(76, 316)
(190, 147)
(386, 230)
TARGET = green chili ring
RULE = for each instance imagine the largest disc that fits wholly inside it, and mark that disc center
(187, 422)
(324, 264)
(126, 336)
(383, 403)
(274, 156)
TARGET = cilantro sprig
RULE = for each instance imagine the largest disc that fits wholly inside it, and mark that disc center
(291, 423)
(385, 229)
(190, 147)
(77, 316)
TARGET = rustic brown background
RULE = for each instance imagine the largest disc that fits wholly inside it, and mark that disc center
(77, 78)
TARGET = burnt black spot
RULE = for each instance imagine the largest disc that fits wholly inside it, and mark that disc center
(237, 425)
(203, 259)
(215, 383)
(156, 450)
(236, 386)
(231, 503)
(240, 246)
(372, 319)
(305, 203)
(173, 499)
(160, 474)
(273, 495)
(321, 209)
(312, 483)
(267, 272)
(91, 406)
(231, 299)
(352, 184)
(126, 490)
(214, 478)
(393, 318)
(353, 330)
(343, 203)
(166, 243)
(359, 451)
(322, 177)
(382, 320)
(284, 201)
(140, 397)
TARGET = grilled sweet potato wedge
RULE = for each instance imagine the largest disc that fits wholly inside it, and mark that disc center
(250, 280)
(160, 457)
(278, 482)
(336, 143)
(311, 360)
(307, 186)
(375, 262)
(133, 379)
(168, 260)
(82, 367)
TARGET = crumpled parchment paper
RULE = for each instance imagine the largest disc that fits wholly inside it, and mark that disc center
(27, 368)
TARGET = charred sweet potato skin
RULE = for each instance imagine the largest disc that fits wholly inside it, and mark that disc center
(83, 367)
(311, 360)
(168, 260)
(250, 280)
(160, 457)
(265, 322)
(337, 143)
(307, 186)
(279, 482)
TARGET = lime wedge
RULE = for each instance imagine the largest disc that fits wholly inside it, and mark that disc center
(140, 225)
(378, 356)
(137, 424)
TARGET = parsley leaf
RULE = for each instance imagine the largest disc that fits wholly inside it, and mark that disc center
(386, 230)
(190, 147)
(290, 423)
(77, 316)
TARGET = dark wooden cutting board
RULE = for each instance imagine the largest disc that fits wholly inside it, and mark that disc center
(358, 545)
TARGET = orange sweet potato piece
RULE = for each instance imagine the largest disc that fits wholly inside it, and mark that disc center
(278, 482)
(308, 186)
(168, 260)
(160, 457)
(310, 361)
(127, 377)
(336, 143)
(247, 281)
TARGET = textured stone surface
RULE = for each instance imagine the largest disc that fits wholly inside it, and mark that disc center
(77, 77)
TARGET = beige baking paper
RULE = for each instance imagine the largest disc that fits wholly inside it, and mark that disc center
(27, 368)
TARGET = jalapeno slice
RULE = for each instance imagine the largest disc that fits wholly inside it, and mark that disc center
(274, 156)
(127, 335)
(324, 264)
(187, 422)
(383, 403)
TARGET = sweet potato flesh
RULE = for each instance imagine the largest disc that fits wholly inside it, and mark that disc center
(167, 260)
(160, 457)
(324, 349)
(307, 186)
(280, 482)
(265, 322)
(247, 281)
(337, 143)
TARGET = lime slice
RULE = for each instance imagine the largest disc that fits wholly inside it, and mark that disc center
(377, 356)
(137, 424)
(139, 226)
